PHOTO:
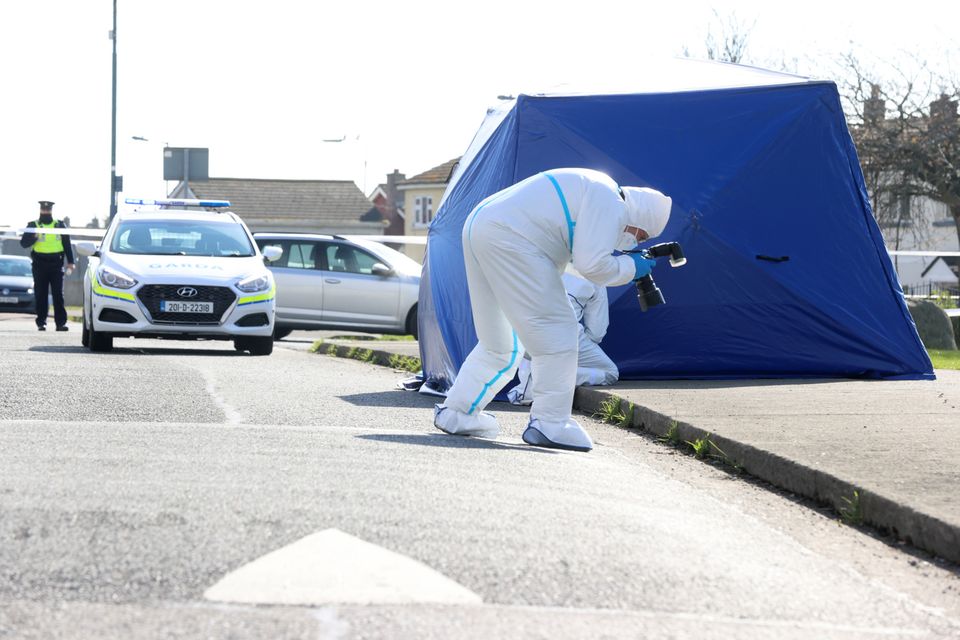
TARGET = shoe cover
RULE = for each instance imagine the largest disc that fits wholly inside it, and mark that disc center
(557, 435)
(516, 397)
(482, 425)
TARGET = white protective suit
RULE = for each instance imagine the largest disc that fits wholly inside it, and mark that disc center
(594, 367)
(516, 244)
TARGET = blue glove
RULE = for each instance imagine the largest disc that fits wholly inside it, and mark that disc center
(643, 265)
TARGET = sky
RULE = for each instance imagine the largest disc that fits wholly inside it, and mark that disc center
(264, 85)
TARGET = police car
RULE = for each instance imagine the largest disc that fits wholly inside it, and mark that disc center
(185, 270)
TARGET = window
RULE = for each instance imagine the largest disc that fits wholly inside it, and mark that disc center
(22, 268)
(296, 255)
(348, 259)
(185, 238)
(422, 211)
(302, 256)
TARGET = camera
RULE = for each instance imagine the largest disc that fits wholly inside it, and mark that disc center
(648, 293)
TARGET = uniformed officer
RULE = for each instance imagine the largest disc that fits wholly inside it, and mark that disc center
(48, 253)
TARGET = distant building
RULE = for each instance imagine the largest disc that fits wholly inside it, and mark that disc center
(916, 222)
(388, 202)
(929, 228)
(295, 206)
(421, 196)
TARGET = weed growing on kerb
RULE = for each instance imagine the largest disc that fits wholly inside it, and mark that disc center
(852, 513)
(610, 412)
(404, 363)
(721, 456)
(701, 447)
(627, 420)
(672, 436)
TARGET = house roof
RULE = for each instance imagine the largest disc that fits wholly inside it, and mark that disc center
(266, 203)
(437, 175)
(940, 273)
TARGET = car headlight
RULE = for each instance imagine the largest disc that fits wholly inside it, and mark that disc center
(115, 279)
(254, 283)
(29, 291)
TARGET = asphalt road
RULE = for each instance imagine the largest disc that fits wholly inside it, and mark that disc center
(182, 490)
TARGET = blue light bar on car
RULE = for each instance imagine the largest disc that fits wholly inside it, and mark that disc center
(170, 202)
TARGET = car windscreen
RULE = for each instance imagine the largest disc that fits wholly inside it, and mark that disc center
(182, 238)
(20, 268)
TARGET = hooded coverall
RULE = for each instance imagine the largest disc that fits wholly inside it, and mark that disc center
(516, 244)
(594, 367)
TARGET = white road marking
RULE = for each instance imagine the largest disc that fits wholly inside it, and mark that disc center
(334, 567)
(231, 415)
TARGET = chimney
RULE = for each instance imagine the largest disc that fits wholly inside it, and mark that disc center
(874, 107)
(943, 111)
(392, 192)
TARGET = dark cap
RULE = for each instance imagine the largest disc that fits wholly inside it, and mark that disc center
(46, 204)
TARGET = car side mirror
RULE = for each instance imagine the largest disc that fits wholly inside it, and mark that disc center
(380, 269)
(272, 253)
(86, 248)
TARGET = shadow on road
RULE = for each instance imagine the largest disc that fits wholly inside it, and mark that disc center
(412, 399)
(698, 383)
(454, 442)
(392, 398)
(138, 350)
(58, 349)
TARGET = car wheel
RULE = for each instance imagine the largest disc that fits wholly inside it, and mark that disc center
(240, 344)
(412, 322)
(260, 345)
(85, 332)
(281, 333)
(99, 341)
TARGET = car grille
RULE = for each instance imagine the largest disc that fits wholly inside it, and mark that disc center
(24, 303)
(151, 295)
(116, 315)
(254, 320)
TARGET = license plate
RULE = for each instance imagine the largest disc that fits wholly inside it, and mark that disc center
(8, 300)
(177, 306)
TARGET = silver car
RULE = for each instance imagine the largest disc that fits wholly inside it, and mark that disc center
(334, 282)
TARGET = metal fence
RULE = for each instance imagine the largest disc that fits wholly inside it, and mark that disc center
(930, 290)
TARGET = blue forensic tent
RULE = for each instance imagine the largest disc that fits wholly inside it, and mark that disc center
(787, 275)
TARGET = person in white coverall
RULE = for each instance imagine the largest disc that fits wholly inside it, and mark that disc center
(516, 244)
(594, 367)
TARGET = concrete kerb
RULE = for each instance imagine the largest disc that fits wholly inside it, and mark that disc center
(373, 356)
(917, 529)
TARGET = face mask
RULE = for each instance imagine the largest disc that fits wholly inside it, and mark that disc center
(626, 242)
(46, 218)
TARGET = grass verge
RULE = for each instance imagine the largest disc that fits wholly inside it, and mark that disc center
(944, 359)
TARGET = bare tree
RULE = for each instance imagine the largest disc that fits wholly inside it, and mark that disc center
(907, 132)
(727, 38)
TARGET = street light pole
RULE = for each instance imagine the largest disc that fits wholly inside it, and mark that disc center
(113, 124)
(343, 138)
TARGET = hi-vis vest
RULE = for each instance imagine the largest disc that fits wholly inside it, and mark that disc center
(48, 242)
